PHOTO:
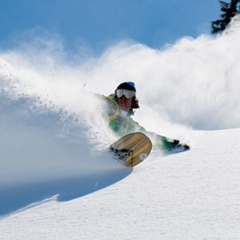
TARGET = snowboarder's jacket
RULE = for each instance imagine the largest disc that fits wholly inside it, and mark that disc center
(123, 125)
(119, 124)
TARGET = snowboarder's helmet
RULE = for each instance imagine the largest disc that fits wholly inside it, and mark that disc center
(128, 86)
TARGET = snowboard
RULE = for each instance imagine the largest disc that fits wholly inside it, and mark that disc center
(132, 148)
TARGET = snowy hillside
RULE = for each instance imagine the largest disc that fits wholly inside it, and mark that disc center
(57, 180)
(192, 195)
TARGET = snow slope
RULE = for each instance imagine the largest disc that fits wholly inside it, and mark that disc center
(57, 180)
(192, 195)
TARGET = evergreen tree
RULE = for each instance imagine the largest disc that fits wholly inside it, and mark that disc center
(229, 10)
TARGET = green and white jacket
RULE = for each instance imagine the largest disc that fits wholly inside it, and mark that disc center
(122, 125)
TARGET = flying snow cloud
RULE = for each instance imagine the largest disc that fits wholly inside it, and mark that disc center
(193, 82)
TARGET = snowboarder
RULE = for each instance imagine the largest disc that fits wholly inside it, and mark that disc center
(120, 106)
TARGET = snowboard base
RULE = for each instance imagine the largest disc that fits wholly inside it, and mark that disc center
(132, 149)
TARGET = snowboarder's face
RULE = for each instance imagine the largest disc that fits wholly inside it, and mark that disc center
(124, 103)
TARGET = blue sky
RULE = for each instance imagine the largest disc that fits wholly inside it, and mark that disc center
(98, 24)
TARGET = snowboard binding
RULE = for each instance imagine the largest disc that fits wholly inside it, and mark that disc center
(121, 154)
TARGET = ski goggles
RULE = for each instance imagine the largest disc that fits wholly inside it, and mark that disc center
(124, 92)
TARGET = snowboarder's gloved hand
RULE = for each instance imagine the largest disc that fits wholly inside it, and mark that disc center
(172, 145)
(168, 144)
